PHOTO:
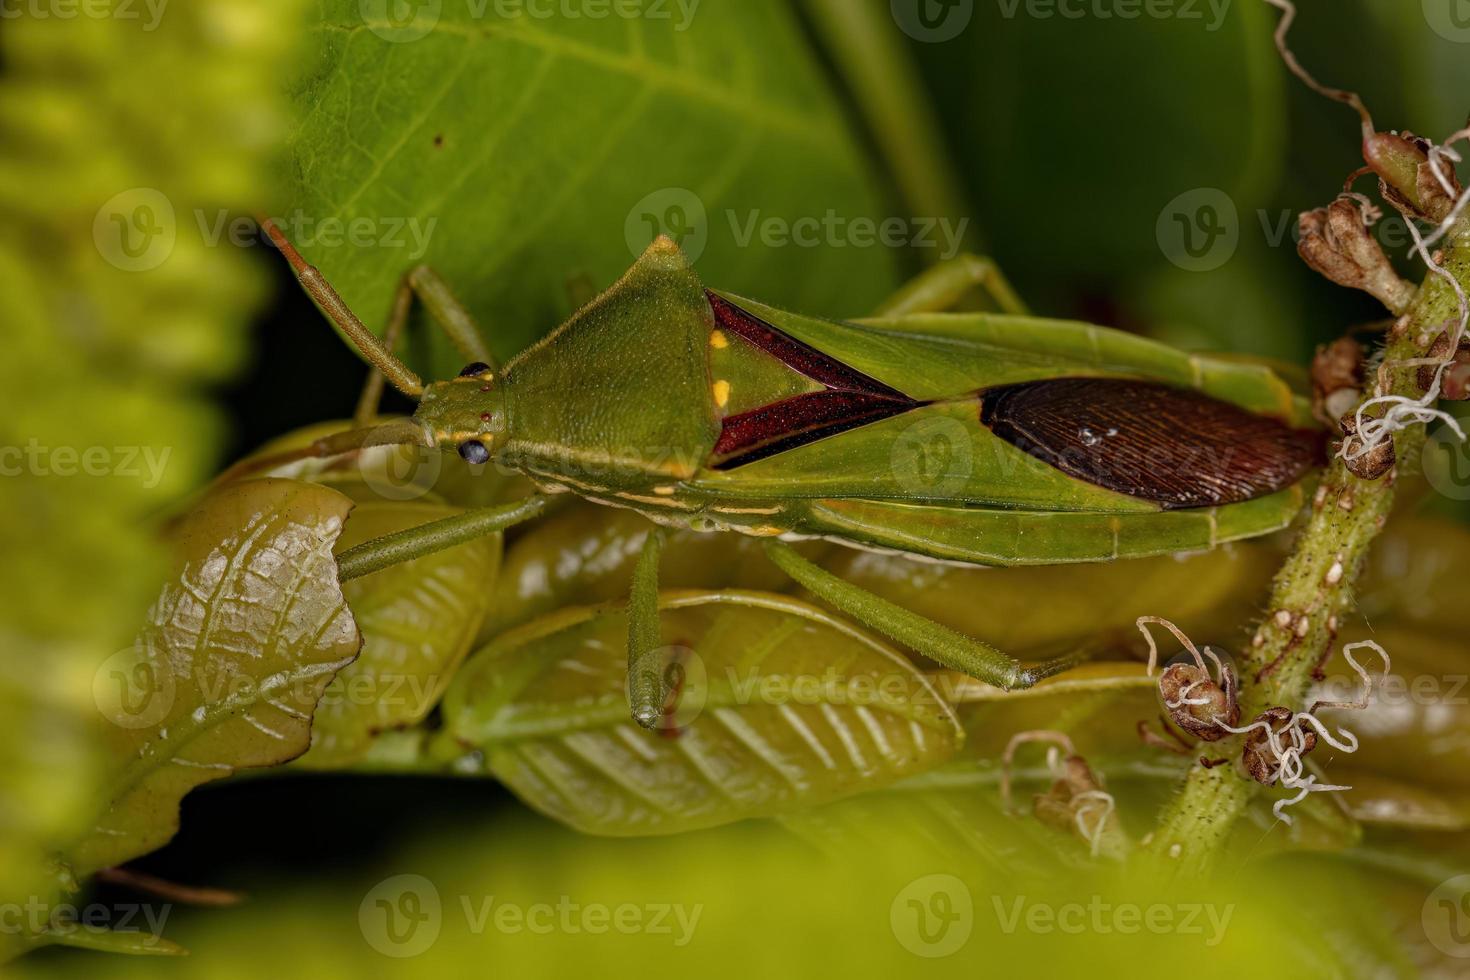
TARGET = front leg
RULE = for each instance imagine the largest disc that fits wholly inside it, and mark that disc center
(445, 310)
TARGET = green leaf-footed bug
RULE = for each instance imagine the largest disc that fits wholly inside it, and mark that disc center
(1042, 441)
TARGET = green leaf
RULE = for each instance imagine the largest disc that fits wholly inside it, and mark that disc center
(1384, 800)
(525, 152)
(1411, 768)
(779, 707)
(1428, 64)
(1080, 129)
(107, 360)
(115, 941)
(1414, 573)
(418, 621)
(235, 655)
(584, 554)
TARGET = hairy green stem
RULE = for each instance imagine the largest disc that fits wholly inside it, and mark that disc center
(1314, 590)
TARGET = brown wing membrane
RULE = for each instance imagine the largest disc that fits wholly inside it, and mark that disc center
(1176, 447)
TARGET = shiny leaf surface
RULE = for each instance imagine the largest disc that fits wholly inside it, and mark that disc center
(235, 654)
(778, 706)
(418, 621)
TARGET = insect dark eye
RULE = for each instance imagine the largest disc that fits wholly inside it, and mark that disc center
(474, 452)
(474, 370)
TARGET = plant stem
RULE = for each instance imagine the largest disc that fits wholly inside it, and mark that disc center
(1314, 589)
(867, 48)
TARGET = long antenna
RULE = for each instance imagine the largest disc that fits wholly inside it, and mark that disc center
(395, 371)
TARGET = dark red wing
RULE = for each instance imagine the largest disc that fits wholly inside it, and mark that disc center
(851, 398)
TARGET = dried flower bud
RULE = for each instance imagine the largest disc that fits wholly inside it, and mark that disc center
(1337, 242)
(1259, 760)
(1196, 703)
(1078, 804)
(1076, 777)
(1407, 180)
(1455, 385)
(1337, 379)
(1366, 466)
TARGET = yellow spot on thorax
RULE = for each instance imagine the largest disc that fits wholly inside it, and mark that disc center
(721, 391)
(718, 340)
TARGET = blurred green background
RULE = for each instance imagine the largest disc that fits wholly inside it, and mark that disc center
(1142, 172)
